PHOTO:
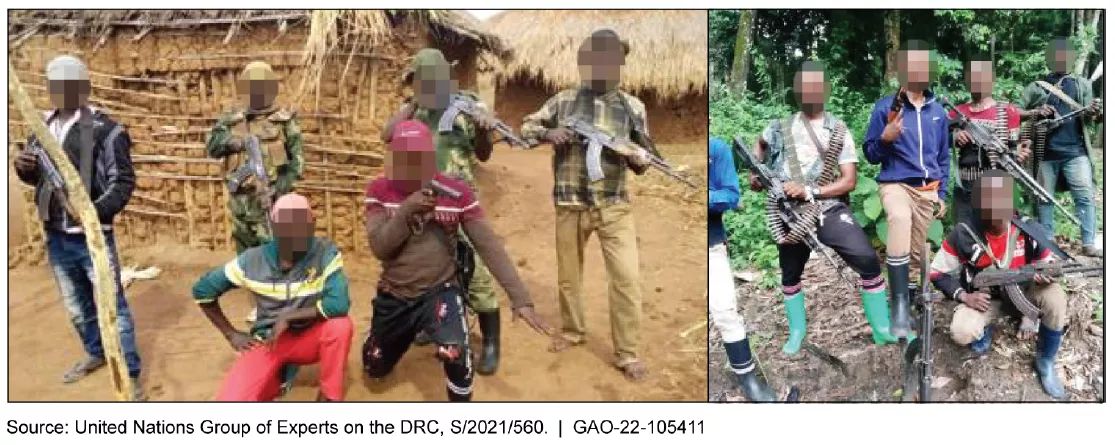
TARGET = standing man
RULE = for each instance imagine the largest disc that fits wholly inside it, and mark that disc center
(723, 195)
(1000, 119)
(415, 218)
(584, 207)
(301, 294)
(100, 149)
(1004, 242)
(908, 134)
(457, 149)
(1065, 158)
(807, 149)
(280, 142)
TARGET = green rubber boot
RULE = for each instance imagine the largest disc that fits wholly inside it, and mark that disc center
(878, 316)
(795, 313)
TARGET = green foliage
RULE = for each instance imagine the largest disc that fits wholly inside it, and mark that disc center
(1097, 300)
(849, 44)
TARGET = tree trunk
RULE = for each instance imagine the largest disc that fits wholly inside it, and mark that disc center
(1088, 26)
(892, 25)
(741, 58)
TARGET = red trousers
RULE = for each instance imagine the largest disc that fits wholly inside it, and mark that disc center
(255, 375)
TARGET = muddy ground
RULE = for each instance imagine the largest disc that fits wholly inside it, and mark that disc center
(837, 325)
(185, 358)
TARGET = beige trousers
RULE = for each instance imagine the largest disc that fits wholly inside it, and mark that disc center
(614, 226)
(967, 323)
(909, 212)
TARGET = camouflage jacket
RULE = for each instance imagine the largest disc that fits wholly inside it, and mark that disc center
(280, 140)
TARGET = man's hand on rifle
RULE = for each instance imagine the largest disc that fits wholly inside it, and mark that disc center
(1042, 280)
(962, 137)
(1095, 107)
(419, 202)
(559, 136)
(893, 130)
(640, 158)
(976, 300)
(756, 184)
(1046, 110)
(1023, 152)
(794, 190)
(26, 162)
(485, 121)
(235, 144)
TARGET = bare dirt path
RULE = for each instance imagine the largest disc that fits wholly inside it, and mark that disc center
(185, 358)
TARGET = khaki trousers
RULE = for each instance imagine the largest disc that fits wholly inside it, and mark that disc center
(614, 226)
(909, 212)
(967, 323)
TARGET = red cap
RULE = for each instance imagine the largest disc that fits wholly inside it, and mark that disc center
(411, 135)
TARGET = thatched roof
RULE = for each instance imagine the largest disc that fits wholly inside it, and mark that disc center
(669, 49)
(452, 27)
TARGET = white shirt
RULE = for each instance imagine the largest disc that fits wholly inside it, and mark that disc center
(808, 155)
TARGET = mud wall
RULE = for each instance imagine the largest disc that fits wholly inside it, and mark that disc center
(169, 87)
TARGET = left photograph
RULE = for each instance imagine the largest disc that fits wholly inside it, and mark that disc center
(357, 205)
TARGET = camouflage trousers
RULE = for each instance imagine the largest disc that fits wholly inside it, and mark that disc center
(481, 291)
(249, 223)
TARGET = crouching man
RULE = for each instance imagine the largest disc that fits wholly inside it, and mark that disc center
(302, 307)
(413, 231)
(1001, 240)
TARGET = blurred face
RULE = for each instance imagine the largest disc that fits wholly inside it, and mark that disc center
(980, 78)
(914, 67)
(68, 94)
(433, 87)
(811, 89)
(600, 64)
(1059, 56)
(257, 94)
(412, 167)
(995, 198)
(293, 229)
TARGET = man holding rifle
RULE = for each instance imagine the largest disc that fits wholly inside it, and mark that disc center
(997, 239)
(465, 140)
(416, 217)
(603, 206)
(1000, 119)
(807, 149)
(1064, 153)
(908, 134)
(100, 149)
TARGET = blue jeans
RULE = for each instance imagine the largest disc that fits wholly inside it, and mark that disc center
(73, 271)
(1078, 174)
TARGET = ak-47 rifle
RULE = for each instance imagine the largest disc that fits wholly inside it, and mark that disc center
(1003, 156)
(1003, 277)
(598, 139)
(54, 182)
(463, 104)
(790, 216)
(895, 105)
(256, 173)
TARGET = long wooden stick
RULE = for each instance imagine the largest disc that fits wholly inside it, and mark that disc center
(104, 287)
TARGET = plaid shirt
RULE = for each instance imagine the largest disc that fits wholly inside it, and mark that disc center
(572, 187)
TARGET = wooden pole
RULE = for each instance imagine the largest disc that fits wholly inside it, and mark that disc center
(105, 286)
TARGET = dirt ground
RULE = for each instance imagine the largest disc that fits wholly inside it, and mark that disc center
(837, 325)
(185, 358)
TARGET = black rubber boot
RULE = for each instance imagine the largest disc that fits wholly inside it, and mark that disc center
(981, 346)
(1049, 342)
(489, 352)
(898, 276)
(751, 380)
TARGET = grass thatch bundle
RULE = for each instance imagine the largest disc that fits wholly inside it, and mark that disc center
(669, 49)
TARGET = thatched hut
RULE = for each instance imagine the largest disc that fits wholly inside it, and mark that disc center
(167, 75)
(667, 67)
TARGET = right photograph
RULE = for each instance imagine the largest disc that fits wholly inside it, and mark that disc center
(906, 206)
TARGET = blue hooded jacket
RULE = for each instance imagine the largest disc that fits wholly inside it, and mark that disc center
(723, 188)
(921, 152)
